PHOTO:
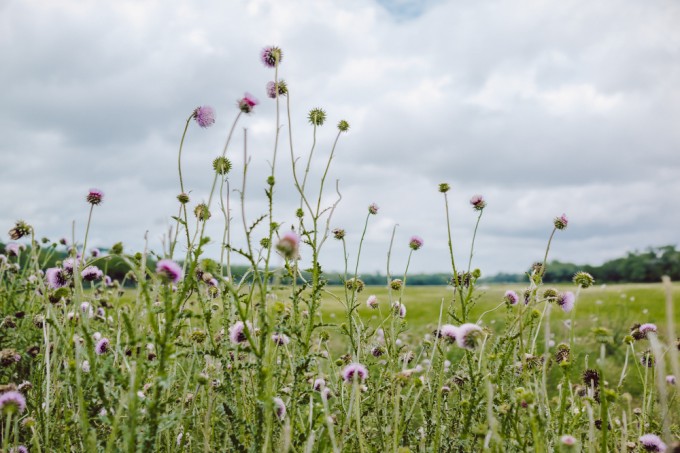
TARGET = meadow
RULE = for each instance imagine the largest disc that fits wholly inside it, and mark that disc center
(197, 358)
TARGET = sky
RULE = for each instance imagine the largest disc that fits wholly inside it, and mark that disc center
(543, 107)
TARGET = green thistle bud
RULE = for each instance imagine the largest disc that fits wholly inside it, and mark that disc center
(198, 336)
(476, 273)
(324, 335)
(264, 242)
(550, 294)
(317, 116)
(202, 212)
(444, 187)
(583, 279)
(299, 213)
(354, 284)
(338, 233)
(396, 284)
(221, 165)
(202, 378)
(343, 126)
(271, 181)
(183, 198)
(603, 335)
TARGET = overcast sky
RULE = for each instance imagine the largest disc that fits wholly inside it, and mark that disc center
(544, 107)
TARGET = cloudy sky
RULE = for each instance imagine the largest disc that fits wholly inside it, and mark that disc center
(544, 107)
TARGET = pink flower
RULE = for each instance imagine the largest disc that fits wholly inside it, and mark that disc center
(647, 328)
(95, 197)
(102, 347)
(511, 297)
(319, 383)
(652, 442)
(271, 56)
(247, 103)
(670, 379)
(478, 202)
(373, 208)
(399, 309)
(169, 270)
(354, 370)
(237, 332)
(91, 273)
(416, 242)
(568, 440)
(204, 116)
(566, 301)
(279, 408)
(12, 249)
(468, 336)
(12, 401)
(280, 339)
(561, 222)
(448, 332)
(289, 245)
(56, 277)
(372, 301)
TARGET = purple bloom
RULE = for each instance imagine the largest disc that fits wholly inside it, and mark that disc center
(568, 440)
(354, 370)
(271, 89)
(561, 222)
(448, 332)
(647, 328)
(56, 277)
(103, 346)
(247, 103)
(271, 56)
(95, 196)
(373, 208)
(69, 264)
(237, 334)
(652, 442)
(279, 408)
(91, 273)
(511, 297)
(169, 270)
(12, 401)
(86, 309)
(319, 383)
(19, 449)
(372, 301)
(12, 249)
(478, 202)
(399, 309)
(95, 252)
(108, 281)
(670, 379)
(468, 336)
(566, 301)
(416, 242)
(280, 339)
(289, 245)
(204, 116)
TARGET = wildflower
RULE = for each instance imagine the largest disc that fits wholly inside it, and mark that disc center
(562, 354)
(670, 379)
(399, 309)
(9, 357)
(280, 339)
(56, 277)
(372, 302)
(272, 89)
(317, 116)
(478, 203)
(355, 284)
(169, 270)
(591, 378)
(85, 366)
(511, 297)
(247, 103)
(221, 165)
(448, 332)
(647, 359)
(91, 273)
(19, 449)
(102, 347)
(12, 249)
(271, 56)
(20, 230)
(396, 284)
(319, 383)
(646, 328)
(652, 442)
(550, 294)
(444, 187)
(468, 336)
(183, 198)
(237, 332)
(95, 252)
(583, 279)
(568, 440)
(289, 245)
(204, 116)
(561, 222)
(343, 126)
(279, 408)
(107, 281)
(378, 351)
(461, 279)
(11, 402)
(94, 197)
(354, 370)
(373, 208)
(566, 301)
(202, 212)
(326, 393)
(63, 241)
(86, 308)
(198, 336)
(415, 243)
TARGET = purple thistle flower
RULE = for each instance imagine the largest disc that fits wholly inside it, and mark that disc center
(652, 442)
(478, 202)
(95, 197)
(102, 347)
(271, 56)
(280, 339)
(12, 401)
(95, 252)
(204, 116)
(271, 89)
(91, 273)
(279, 408)
(237, 334)
(19, 449)
(416, 242)
(647, 328)
(56, 277)
(107, 281)
(12, 249)
(373, 208)
(561, 222)
(247, 103)
(86, 309)
(169, 270)
(468, 336)
(511, 297)
(670, 379)
(399, 309)
(289, 245)
(568, 440)
(354, 370)
(448, 332)
(69, 265)
(372, 302)
(566, 301)
(319, 383)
